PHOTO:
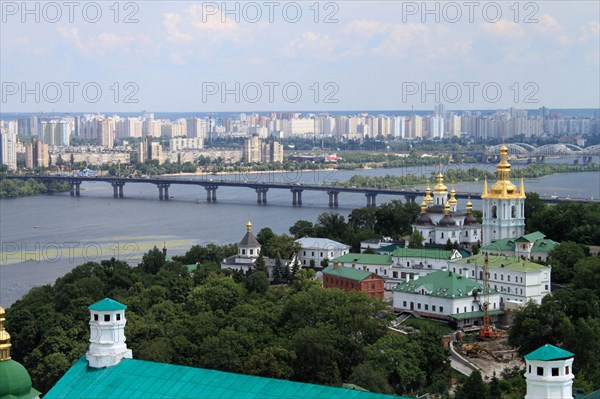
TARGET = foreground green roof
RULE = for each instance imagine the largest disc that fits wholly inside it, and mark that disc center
(428, 253)
(364, 259)
(442, 284)
(15, 382)
(133, 378)
(347, 272)
(503, 261)
(548, 352)
(107, 304)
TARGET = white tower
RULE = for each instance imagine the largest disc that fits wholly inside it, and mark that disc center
(440, 191)
(503, 205)
(549, 373)
(107, 334)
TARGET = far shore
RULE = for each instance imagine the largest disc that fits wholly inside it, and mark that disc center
(253, 172)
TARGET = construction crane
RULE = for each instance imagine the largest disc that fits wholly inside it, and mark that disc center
(487, 331)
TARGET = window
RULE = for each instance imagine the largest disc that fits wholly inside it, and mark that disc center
(530, 369)
(313, 253)
(555, 372)
(372, 286)
(426, 307)
(508, 278)
(404, 304)
(513, 212)
(95, 317)
(473, 273)
(494, 212)
(442, 235)
(418, 306)
(467, 233)
(546, 287)
(304, 253)
(433, 308)
(457, 310)
(118, 316)
(465, 309)
(567, 370)
(251, 252)
(495, 276)
(441, 309)
(502, 277)
(106, 317)
(472, 308)
(540, 371)
(395, 274)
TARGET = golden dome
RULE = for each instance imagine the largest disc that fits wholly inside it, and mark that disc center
(428, 199)
(249, 226)
(440, 188)
(423, 207)
(447, 209)
(453, 200)
(469, 206)
(503, 188)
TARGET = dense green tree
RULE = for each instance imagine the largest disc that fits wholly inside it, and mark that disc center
(371, 377)
(331, 225)
(415, 240)
(257, 282)
(152, 261)
(271, 362)
(563, 258)
(264, 235)
(362, 219)
(260, 265)
(216, 294)
(302, 228)
(473, 388)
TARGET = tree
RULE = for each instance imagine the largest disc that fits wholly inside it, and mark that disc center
(474, 249)
(271, 362)
(260, 264)
(533, 207)
(264, 235)
(217, 293)
(312, 264)
(416, 240)
(153, 261)
(331, 225)
(449, 246)
(302, 228)
(371, 377)
(563, 258)
(277, 271)
(362, 219)
(495, 391)
(473, 388)
(257, 282)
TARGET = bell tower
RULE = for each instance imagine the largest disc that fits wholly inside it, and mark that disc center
(107, 334)
(503, 205)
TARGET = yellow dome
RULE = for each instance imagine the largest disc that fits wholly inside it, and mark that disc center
(440, 188)
(249, 225)
(428, 199)
(452, 200)
(503, 188)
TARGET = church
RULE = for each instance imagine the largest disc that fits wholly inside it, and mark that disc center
(440, 220)
(503, 212)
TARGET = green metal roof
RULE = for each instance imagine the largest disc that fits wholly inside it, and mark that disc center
(347, 272)
(133, 378)
(472, 315)
(548, 352)
(531, 237)
(364, 259)
(107, 304)
(15, 382)
(503, 261)
(388, 248)
(191, 267)
(540, 243)
(428, 253)
(442, 284)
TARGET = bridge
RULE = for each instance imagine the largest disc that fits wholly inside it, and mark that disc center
(261, 188)
(522, 150)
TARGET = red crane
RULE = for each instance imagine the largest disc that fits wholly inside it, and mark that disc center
(487, 331)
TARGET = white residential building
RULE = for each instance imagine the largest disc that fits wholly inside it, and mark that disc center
(318, 249)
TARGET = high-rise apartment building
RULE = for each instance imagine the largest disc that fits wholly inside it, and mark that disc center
(55, 132)
(36, 154)
(196, 127)
(252, 149)
(8, 149)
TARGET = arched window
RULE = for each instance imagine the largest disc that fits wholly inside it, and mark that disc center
(494, 212)
(513, 211)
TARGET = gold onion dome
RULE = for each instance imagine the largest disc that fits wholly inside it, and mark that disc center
(452, 200)
(503, 188)
(440, 188)
(249, 226)
(423, 207)
(428, 199)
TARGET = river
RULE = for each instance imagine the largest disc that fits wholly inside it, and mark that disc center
(44, 237)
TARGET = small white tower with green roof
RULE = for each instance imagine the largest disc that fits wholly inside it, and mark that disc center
(107, 334)
(549, 373)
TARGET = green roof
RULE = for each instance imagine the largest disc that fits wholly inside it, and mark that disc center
(388, 248)
(192, 267)
(503, 261)
(442, 284)
(107, 304)
(548, 352)
(531, 237)
(472, 315)
(425, 253)
(15, 382)
(133, 378)
(364, 259)
(540, 243)
(347, 272)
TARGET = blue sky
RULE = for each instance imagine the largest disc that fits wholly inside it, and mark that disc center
(352, 55)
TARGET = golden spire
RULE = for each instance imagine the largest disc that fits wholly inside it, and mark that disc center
(4, 339)
(423, 207)
(447, 209)
(484, 194)
(249, 226)
(428, 199)
(522, 189)
(452, 200)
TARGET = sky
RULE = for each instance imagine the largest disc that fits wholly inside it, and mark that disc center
(183, 56)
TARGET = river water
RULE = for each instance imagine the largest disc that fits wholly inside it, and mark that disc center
(44, 237)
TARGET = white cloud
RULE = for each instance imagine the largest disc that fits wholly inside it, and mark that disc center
(503, 29)
(174, 34)
(590, 31)
(312, 45)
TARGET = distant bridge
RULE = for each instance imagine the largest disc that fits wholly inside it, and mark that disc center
(560, 150)
(211, 186)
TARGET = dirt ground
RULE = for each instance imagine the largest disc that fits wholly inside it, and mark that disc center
(493, 355)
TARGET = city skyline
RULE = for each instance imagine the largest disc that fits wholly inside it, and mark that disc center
(201, 57)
